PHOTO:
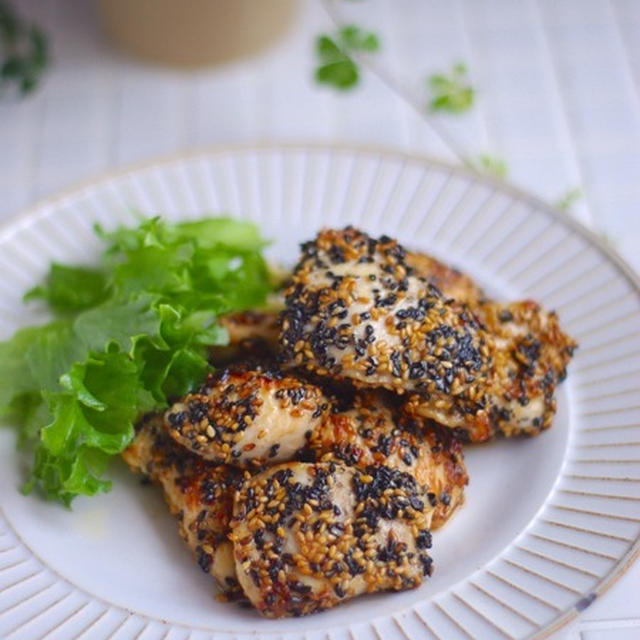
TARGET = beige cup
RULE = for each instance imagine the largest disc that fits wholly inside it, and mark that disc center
(195, 33)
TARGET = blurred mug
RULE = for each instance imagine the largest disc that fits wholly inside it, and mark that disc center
(196, 33)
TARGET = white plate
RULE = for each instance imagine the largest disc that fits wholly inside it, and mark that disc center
(548, 524)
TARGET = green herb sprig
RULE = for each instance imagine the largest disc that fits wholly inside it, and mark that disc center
(451, 93)
(24, 52)
(336, 68)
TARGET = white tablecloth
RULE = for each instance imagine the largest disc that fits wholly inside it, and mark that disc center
(558, 99)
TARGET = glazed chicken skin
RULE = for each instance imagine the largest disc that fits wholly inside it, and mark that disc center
(247, 417)
(198, 493)
(309, 536)
(372, 431)
(357, 311)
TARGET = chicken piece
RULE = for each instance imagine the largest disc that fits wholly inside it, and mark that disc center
(530, 358)
(440, 467)
(468, 420)
(197, 492)
(252, 334)
(373, 432)
(451, 282)
(355, 310)
(247, 417)
(309, 536)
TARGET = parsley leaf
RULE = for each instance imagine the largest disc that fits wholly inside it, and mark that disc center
(451, 93)
(336, 67)
(355, 39)
(129, 335)
(24, 52)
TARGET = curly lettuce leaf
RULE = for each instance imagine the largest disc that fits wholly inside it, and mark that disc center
(71, 288)
(130, 334)
(121, 324)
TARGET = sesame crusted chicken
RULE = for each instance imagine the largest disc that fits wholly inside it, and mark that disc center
(305, 483)
(451, 282)
(530, 358)
(247, 417)
(372, 431)
(440, 468)
(364, 310)
(468, 421)
(356, 310)
(252, 334)
(198, 493)
(309, 536)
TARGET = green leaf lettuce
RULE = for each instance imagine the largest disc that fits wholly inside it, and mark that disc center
(128, 335)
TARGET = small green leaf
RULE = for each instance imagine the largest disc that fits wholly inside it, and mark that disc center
(452, 93)
(73, 382)
(327, 49)
(353, 38)
(439, 82)
(71, 288)
(51, 351)
(122, 324)
(441, 103)
(187, 369)
(40, 48)
(370, 43)
(85, 472)
(341, 75)
(218, 233)
(9, 26)
(25, 51)
(336, 67)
